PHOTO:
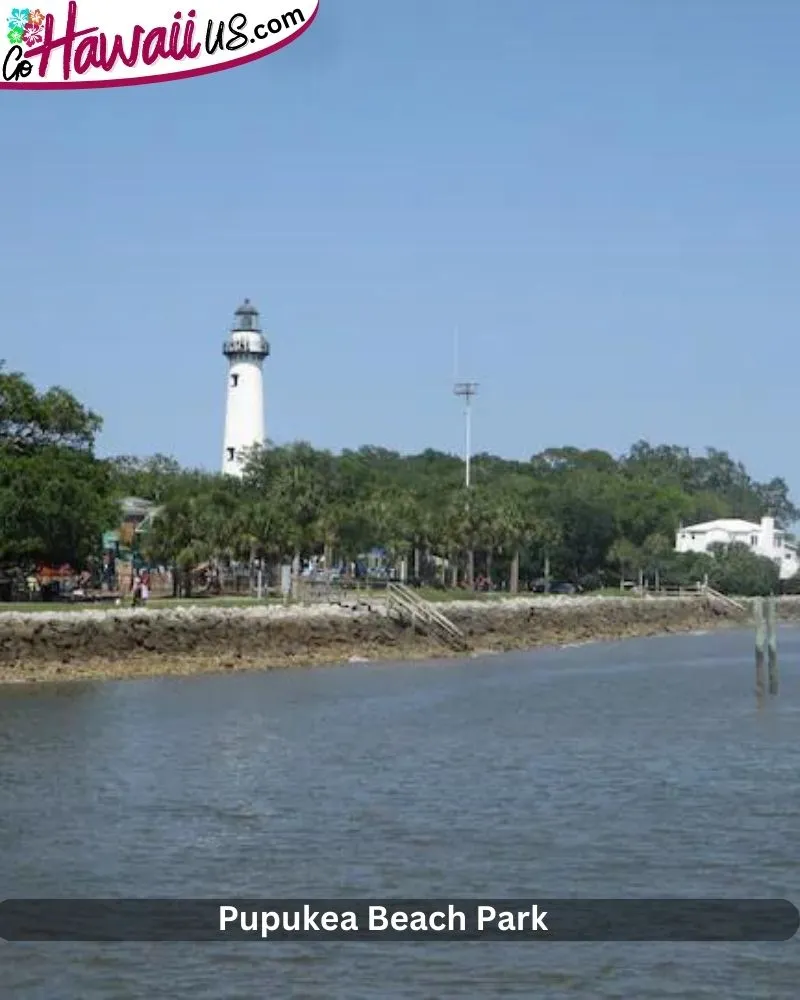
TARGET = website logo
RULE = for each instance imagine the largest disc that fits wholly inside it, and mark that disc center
(73, 45)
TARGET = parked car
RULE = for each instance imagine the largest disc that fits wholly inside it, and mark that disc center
(556, 587)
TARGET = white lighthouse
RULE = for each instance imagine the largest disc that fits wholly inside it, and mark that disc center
(245, 349)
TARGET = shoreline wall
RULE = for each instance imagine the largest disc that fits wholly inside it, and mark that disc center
(128, 642)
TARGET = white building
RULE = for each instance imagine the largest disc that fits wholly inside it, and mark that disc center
(763, 539)
(245, 348)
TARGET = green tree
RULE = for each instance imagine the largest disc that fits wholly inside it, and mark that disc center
(55, 496)
(577, 511)
(627, 556)
(657, 551)
(736, 570)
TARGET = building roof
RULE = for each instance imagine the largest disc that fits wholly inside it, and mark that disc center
(136, 506)
(732, 524)
(246, 309)
(245, 319)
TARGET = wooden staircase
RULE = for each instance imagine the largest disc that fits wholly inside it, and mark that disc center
(702, 590)
(715, 597)
(409, 607)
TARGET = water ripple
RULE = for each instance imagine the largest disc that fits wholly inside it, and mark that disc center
(625, 769)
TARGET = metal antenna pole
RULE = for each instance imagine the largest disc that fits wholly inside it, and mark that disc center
(467, 440)
(466, 391)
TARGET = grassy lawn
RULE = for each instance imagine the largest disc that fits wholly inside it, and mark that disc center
(26, 607)
(212, 602)
(430, 594)
(167, 602)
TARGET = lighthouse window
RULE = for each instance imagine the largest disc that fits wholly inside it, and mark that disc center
(231, 453)
(234, 380)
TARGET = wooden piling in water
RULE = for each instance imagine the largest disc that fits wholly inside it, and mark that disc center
(761, 645)
(772, 645)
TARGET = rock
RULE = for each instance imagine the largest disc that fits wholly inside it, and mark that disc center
(119, 641)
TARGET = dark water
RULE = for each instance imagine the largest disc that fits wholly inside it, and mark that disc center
(619, 769)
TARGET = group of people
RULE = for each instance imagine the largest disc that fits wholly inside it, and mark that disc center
(49, 583)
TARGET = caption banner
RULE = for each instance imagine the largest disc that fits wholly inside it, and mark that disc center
(398, 920)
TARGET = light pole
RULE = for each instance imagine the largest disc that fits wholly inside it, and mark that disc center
(466, 391)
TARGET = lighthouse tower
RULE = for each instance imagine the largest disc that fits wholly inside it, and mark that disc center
(245, 349)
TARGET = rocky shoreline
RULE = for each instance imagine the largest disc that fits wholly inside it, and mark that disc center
(123, 642)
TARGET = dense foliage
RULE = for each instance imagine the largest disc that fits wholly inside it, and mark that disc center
(582, 516)
(55, 496)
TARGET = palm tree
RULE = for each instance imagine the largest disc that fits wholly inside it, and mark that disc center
(546, 535)
(176, 540)
(516, 526)
(656, 550)
(466, 526)
(266, 529)
(391, 515)
(522, 526)
(446, 537)
(495, 526)
(624, 554)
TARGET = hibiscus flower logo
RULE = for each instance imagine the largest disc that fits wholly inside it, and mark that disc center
(25, 26)
(33, 34)
(19, 18)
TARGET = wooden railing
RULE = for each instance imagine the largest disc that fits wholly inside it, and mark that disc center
(403, 601)
(695, 590)
(702, 590)
(723, 599)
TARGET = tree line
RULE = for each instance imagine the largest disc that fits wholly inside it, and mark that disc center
(582, 516)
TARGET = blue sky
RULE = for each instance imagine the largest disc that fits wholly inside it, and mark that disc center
(603, 197)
